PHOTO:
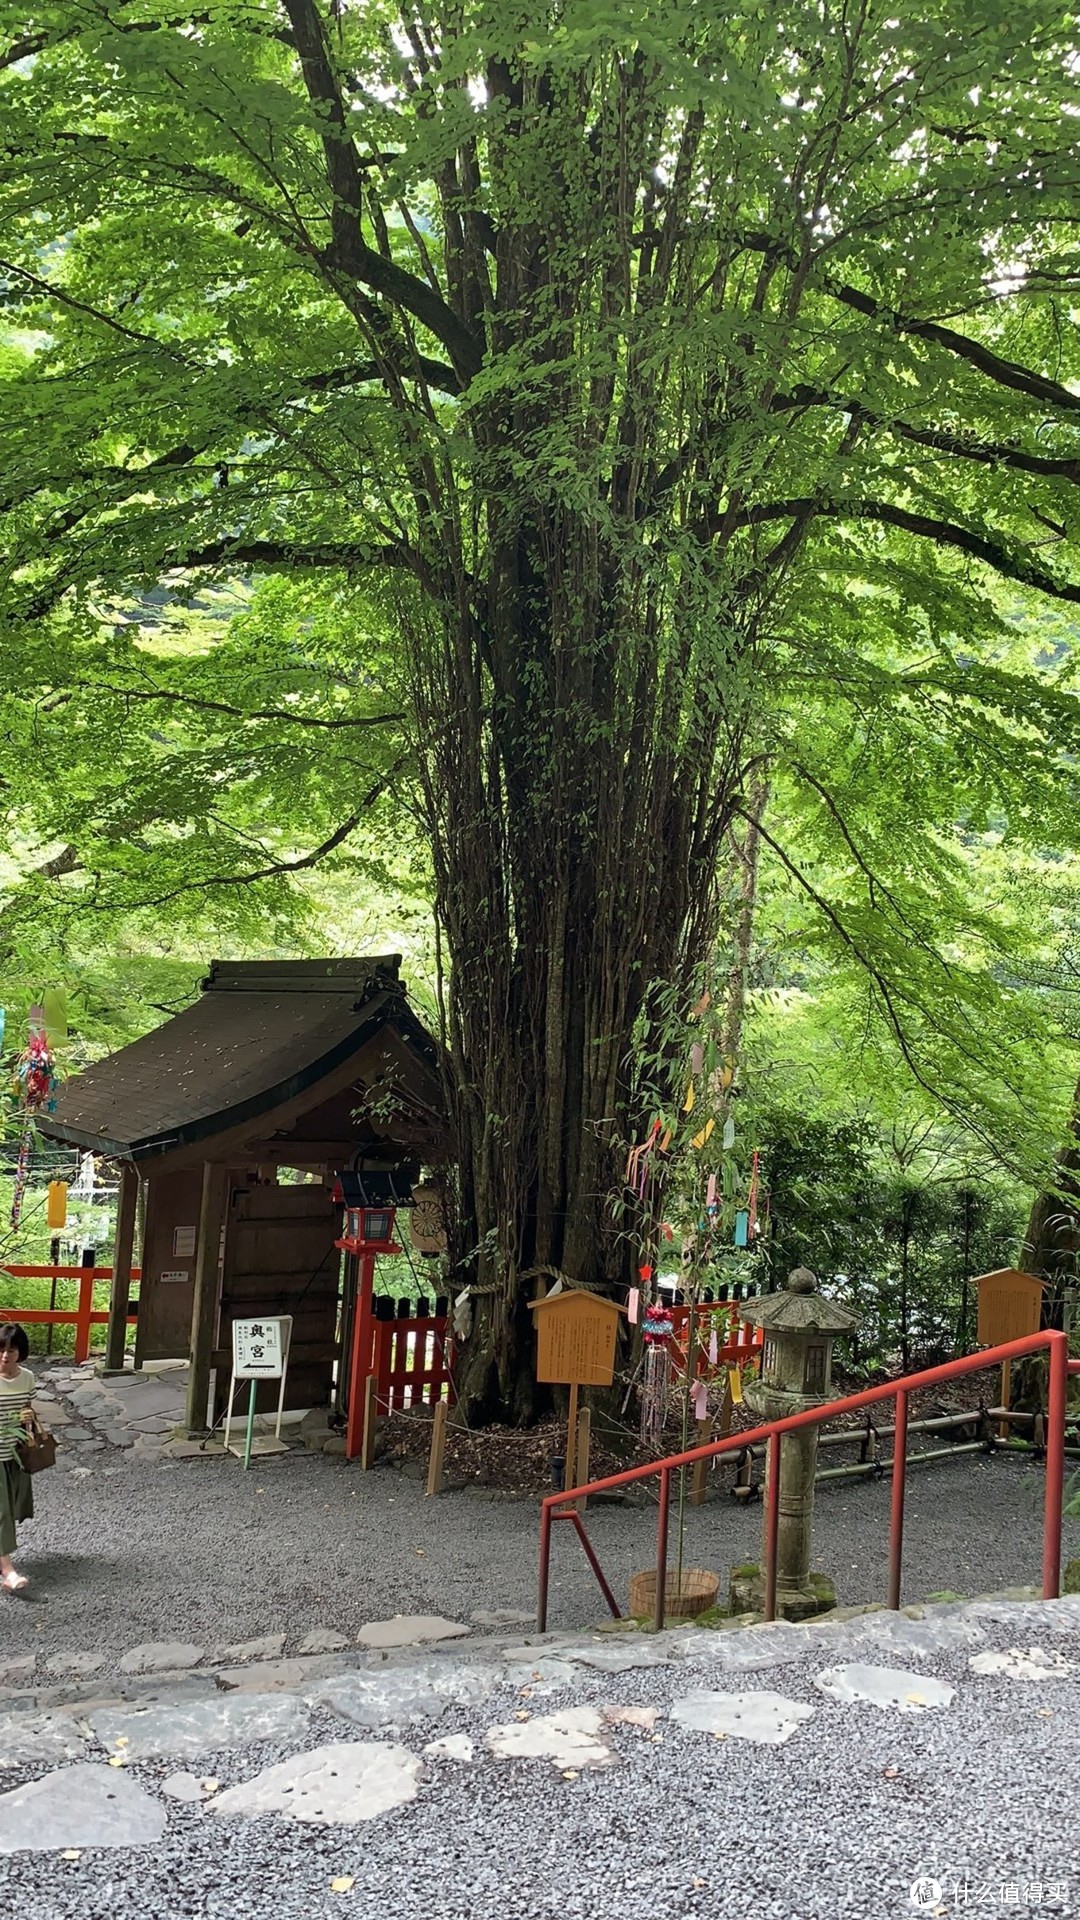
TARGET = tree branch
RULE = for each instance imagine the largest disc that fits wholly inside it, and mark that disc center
(1005, 373)
(349, 252)
(238, 713)
(989, 453)
(276, 867)
(944, 533)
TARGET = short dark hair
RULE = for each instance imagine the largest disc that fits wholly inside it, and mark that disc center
(13, 1336)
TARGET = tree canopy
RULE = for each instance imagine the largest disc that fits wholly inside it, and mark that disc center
(616, 423)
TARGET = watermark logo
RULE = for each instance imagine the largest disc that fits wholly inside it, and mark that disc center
(926, 1894)
(930, 1895)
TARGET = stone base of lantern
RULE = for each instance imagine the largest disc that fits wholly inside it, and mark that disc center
(746, 1594)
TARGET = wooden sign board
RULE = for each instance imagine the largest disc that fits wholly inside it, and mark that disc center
(575, 1334)
(1010, 1306)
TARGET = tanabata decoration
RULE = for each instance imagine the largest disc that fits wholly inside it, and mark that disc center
(656, 1330)
(35, 1083)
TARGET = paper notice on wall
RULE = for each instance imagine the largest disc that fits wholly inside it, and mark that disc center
(175, 1274)
(183, 1242)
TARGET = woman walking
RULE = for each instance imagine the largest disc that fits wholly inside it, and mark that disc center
(16, 1487)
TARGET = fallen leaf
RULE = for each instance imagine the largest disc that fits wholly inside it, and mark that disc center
(1045, 1713)
(698, 1882)
(123, 1741)
(525, 1692)
(209, 1785)
(344, 1883)
(570, 1773)
(71, 1853)
(719, 1736)
(116, 1759)
(522, 1715)
(890, 1773)
(916, 1699)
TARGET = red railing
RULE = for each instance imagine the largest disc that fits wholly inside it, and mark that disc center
(82, 1318)
(410, 1363)
(557, 1506)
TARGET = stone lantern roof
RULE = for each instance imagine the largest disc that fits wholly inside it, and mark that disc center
(799, 1308)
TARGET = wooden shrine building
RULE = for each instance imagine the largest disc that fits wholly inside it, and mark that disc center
(320, 1066)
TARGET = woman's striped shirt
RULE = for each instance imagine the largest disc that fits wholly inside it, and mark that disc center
(15, 1397)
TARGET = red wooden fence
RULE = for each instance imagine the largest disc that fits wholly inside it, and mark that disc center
(82, 1319)
(411, 1363)
(737, 1343)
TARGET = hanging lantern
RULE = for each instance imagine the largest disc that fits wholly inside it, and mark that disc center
(371, 1200)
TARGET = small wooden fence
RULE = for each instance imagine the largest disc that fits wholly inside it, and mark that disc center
(83, 1318)
(737, 1342)
(412, 1356)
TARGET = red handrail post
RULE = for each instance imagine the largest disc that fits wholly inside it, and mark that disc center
(896, 1512)
(590, 1555)
(545, 1568)
(86, 1308)
(661, 1548)
(1055, 1462)
(772, 1520)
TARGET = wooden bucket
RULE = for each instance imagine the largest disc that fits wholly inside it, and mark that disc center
(695, 1593)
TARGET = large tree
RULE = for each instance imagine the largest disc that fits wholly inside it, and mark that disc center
(674, 382)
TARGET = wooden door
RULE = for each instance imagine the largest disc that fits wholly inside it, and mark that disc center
(280, 1258)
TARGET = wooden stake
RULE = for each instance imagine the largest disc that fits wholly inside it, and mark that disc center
(702, 1436)
(583, 1437)
(438, 1448)
(1006, 1392)
(367, 1447)
(571, 1438)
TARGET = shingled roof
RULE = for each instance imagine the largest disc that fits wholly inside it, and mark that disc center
(261, 1033)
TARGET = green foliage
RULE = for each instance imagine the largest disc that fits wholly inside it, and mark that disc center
(543, 427)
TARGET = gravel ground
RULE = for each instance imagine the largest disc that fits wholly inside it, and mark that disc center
(841, 1821)
(124, 1552)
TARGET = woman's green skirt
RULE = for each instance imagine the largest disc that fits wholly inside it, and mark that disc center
(16, 1501)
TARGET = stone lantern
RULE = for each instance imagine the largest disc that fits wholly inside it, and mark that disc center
(799, 1328)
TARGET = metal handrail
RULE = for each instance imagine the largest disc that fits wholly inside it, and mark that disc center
(561, 1506)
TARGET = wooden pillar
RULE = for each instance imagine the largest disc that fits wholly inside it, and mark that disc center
(116, 1335)
(204, 1313)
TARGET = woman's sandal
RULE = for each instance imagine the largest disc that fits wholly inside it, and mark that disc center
(14, 1582)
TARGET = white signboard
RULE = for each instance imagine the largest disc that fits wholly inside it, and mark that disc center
(175, 1274)
(183, 1242)
(260, 1349)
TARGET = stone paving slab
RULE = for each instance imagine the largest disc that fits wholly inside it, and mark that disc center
(766, 1718)
(410, 1630)
(161, 1656)
(405, 1696)
(29, 1739)
(83, 1806)
(182, 1730)
(336, 1785)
